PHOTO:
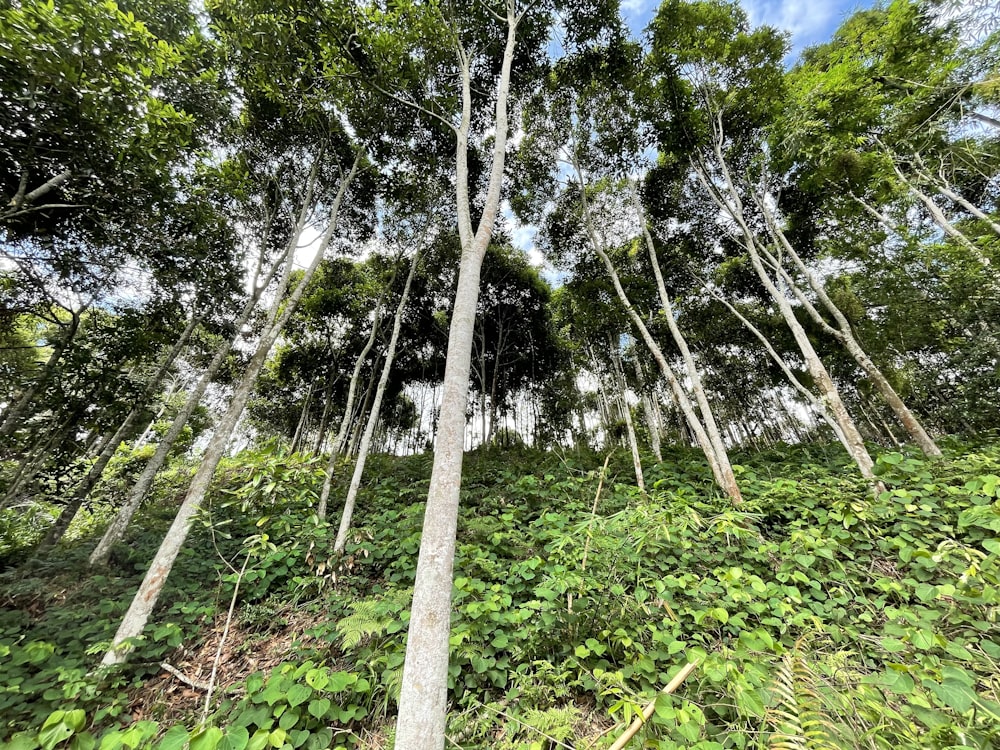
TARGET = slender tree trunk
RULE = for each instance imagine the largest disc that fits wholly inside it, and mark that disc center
(14, 415)
(324, 420)
(942, 187)
(423, 694)
(145, 599)
(339, 443)
(694, 374)
(687, 408)
(283, 263)
(845, 335)
(810, 397)
(626, 413)
(373, 415)
(116, 529)
(938, 215)
(731, 203)
(603, 403)
(830, 395)
(298, 437)
(110, 446)
(29, 467)
(647, 408)
(359, 426)
(165, 402)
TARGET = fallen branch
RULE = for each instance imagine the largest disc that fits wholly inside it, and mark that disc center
(636, 725)
(182, 677)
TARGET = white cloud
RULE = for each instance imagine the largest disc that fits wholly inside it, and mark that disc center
(634, 7)
(808, 21)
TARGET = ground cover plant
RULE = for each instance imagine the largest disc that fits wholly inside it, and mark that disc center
(818, 614)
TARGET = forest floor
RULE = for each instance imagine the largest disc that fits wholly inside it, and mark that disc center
(818, 614)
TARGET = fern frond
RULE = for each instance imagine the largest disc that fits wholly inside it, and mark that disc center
(799, 716)
(363, 622)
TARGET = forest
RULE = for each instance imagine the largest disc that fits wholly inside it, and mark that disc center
(425, 374)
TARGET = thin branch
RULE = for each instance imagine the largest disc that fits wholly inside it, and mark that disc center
(222, 640)
(647, 712)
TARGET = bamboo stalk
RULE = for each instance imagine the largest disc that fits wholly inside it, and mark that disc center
(636, 725)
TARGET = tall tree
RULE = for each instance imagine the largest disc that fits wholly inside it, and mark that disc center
(449, 55)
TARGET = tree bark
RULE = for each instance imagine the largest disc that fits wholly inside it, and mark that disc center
(116, 529)
(731, 203)
(145, 598)
(424, 691)
(730, 485)
(845, 335)
(373, 414)
(348, 417)
(810, 397)
(283, 263)
(626, 413)
(300, 426)
(324, 420)
(647, 409)
(34, 461)
(938, 215)
(683, 402)
(942, 187)
(14, 415)
(110, 447)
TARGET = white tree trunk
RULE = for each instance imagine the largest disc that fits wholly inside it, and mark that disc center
(149, 590)
(339, 443)
(647, 409)
(423, 695)
(626, 413)
(939, 217)
(116, 529)
(373, 415)
(730, 202)
(845, 335)
(730, 485)
(680, 396)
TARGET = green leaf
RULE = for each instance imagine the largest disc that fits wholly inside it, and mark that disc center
(174, 739)
(259, 740)
(22, 741)
(54, 732)
(206, 740)
(83, 741)
(237, 738)
(340, 681)
(750, 701)
(664, 707)
(893, 645)
(924, 639)
(317, 679)
(319, 707)
(954, 695)
(298, 694)
(925, 592)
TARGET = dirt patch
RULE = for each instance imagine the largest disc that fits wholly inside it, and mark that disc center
(177, 694)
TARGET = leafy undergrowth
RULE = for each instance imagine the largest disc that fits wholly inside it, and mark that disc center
(819, 615)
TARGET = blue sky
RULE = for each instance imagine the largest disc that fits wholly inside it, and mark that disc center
(808, 21)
